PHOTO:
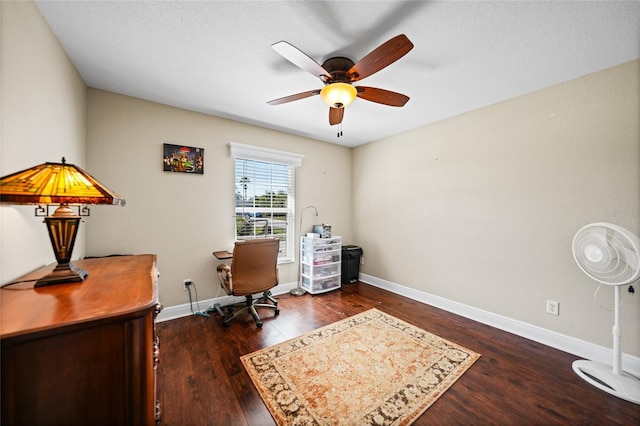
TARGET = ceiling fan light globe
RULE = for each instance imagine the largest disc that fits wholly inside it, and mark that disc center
(338, 95)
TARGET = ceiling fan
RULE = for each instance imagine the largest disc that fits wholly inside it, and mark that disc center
(338, 75)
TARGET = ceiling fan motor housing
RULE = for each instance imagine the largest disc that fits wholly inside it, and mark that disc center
(338, 68)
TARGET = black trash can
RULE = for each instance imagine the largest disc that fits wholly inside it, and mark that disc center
(350, 263)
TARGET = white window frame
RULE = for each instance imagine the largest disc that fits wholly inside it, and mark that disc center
(267, 155)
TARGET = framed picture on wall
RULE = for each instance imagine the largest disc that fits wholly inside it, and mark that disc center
(183, 159)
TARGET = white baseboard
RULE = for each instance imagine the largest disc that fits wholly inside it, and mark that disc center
(581, 348)
(184, 310)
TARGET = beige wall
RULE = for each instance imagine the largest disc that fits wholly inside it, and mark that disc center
(184, 218)
(482, 208)
(43, 108)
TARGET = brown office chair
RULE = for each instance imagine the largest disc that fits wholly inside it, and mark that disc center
(254, 269)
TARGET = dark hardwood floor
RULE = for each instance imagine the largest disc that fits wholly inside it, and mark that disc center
(201, 380)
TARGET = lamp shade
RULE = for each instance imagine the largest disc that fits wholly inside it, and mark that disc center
(55, 183)
(338, 95)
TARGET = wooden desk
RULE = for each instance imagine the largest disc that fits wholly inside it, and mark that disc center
(82, 353)
(223, 255)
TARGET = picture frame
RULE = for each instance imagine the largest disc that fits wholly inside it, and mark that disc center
(183, 159)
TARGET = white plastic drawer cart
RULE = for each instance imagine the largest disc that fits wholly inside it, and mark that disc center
(320, 264)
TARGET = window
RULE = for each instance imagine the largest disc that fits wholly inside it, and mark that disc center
(264, 187)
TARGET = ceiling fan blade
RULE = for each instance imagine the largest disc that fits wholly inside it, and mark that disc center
(300, 59)
(382, 96)
(335, 115)
(384, 55)
(295, 97)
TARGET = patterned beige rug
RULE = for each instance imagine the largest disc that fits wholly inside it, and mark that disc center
(369, 369)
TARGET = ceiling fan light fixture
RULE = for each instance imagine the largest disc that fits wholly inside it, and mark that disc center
(338, 95)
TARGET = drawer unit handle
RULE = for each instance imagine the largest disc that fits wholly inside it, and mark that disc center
(156, 352)
(157, 310)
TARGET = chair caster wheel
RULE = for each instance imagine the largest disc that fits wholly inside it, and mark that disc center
(259, 325)
(226, 324)
(277, 311)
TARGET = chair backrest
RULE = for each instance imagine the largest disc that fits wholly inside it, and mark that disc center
(254, 268)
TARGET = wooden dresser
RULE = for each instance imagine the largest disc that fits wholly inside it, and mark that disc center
(82, 353)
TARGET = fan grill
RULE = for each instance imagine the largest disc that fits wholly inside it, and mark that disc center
(607, 254)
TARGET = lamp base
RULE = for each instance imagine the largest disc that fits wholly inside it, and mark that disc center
(63, 273)
(298, 291)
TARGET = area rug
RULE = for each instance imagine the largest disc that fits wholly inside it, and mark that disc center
(368, 369)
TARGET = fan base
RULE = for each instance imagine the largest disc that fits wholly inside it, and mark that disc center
(623, 385)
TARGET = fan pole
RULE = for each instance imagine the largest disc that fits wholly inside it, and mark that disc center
(617, 352)
(299, 291)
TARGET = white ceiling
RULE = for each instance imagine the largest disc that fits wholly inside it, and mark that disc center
(215, 57)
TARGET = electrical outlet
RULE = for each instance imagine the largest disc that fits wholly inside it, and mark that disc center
(553, 307)
(362, 260)
(187, 284)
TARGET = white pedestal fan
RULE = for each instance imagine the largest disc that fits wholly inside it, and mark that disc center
(610, 255)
